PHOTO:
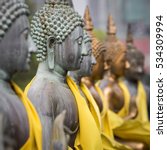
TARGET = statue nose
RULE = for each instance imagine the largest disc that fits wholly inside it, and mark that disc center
(84, 52)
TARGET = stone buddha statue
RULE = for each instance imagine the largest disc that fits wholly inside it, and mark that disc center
(85, 71)
(134, 70)
(136, 127)
(57, 31)
(19, 115)
(114, 68)
(87, 63)
(98, 50)
(143, 76)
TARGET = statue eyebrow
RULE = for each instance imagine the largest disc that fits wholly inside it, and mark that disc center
(25, 30)
(79, 37)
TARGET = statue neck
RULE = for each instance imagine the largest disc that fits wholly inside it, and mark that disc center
(76, 77)
(58, 73)
(5, 81)
(109, 75)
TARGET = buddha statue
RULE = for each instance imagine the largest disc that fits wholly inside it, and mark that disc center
(86, 70)
(92, 83)
(57, 31)
(98, 50)
(142, 76)
(114, 67)
(21, 128)
(87, 63)
(136, 126)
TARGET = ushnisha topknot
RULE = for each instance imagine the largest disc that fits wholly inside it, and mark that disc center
(111, 27)
(97, 47)
(10, 11)
(88, 20)
(113, 45)
(129, 38)
(56, 18)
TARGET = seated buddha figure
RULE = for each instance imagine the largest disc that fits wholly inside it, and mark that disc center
(143, 76)
(92, 81)
(98, 50)
(114, 67)
(20, 124)
(135, 113)
(85, 70)
(57, 31)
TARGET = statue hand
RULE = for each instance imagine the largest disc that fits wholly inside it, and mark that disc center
(59, 139)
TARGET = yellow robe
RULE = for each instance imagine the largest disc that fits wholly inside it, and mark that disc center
(34, 141)
(139, 128)
(88, 136)
(110, 120)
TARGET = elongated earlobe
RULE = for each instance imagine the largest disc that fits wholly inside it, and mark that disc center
(127, 65)
(50, 52)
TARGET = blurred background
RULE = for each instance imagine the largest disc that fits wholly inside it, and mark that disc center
(124, 12)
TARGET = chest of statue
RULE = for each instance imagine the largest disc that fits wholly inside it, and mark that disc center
(64, 100)
(50, 98)
(133, 89)
(16, 125)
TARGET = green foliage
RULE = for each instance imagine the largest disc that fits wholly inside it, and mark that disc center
(100, 34)
(31, 5)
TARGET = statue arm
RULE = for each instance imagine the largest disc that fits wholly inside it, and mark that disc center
(115, 97)
(7, 141)
(97, 98)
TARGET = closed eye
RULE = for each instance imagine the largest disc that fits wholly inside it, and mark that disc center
(79, 40)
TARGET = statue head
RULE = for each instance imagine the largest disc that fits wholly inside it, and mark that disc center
(134, 67)
(115, 53)
(98, 48)
(89, 60)
(14, 37)
(57, 31)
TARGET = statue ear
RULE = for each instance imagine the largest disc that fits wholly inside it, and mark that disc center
(50, 51)
(127, 65)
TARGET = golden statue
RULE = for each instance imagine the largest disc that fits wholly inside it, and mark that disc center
(98, 50)
(135, 99)
(114, 68)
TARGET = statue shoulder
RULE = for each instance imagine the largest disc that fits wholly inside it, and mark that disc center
(40, 87)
